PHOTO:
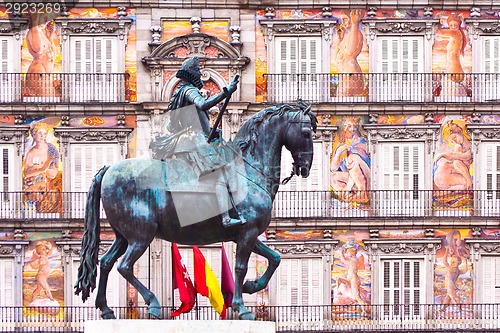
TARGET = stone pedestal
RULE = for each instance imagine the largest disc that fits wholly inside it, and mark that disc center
(178, 326)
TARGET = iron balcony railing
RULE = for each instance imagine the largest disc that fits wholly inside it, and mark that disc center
(383, 87)
(64, 87)
(320, 318)
(291, 204)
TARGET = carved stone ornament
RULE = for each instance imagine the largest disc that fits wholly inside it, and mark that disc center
(68, 135)
(427, 133)
(273, 28)
(484, 246)
(413, 246)
(14, 135)
(116, 27)
(13, 249)
(303, 248)
(478, 26)
(480, 133)
(13, 27)
(400, 27)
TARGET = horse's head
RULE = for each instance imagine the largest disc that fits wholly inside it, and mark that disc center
(299, 138)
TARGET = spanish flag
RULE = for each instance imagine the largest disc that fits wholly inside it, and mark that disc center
(207, 284)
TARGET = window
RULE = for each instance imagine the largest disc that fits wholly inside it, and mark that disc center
(295, 53)
(8, 197)
(9, 79)
(94, 59)
(402, 283)
(401, 58)
(489, 178)
(7, 278)
(489, 88)
(491, 279)
(401, 177)
(302, 197)
(300, 282)
(87, 160)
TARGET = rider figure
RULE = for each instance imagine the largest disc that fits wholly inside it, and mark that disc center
(188, 93)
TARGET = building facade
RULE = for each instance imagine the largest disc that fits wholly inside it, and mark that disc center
(398, 221)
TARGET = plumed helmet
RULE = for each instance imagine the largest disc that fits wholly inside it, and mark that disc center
(190, 72)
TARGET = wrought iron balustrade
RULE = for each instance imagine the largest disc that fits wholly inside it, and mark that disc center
(310, 318)
(64, 87)
(384, 87)
(291, 204)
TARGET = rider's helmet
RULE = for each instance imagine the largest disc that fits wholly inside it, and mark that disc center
(190, 72)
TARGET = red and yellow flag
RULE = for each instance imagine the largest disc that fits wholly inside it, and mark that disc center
(207, 284)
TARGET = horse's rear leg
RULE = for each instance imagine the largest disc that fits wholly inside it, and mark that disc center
(133, 253)
(273, 258)
(107, 261)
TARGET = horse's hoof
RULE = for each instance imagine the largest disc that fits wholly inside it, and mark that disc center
(108, 315)
(155, 311)
(246, 316)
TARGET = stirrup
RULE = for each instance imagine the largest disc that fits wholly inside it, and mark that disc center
(229, 222)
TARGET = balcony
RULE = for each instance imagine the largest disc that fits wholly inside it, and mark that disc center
(422, 204)
(320, 318)
(383, 88)
(64, 88)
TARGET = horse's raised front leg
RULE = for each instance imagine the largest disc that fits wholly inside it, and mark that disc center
(244, 247)
(126, 269)
(273, 258)
(107, 261)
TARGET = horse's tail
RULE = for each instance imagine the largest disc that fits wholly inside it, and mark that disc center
(87, 271)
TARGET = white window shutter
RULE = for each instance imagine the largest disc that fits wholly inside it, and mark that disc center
(491, 54)
(105, 55)
(401, 165)
(491, 279)
(402, 281)
(82, 55)
(7, 282)
(298, 55)
(7, 168)
(300, 282)
(401, 55)
(6, 49)
(87, 159)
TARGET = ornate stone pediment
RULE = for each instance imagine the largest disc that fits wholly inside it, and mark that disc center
(13, 249)
(484, 245)
(410, 246)
(13, 27)
(16, 135)
(98, 26)
(417, 132)
(196, 44)
(272, 28)
(478, 26)
(303, 248)
(67, 135)
(387, 26)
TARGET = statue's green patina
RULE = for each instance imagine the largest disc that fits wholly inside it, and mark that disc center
(144, 199)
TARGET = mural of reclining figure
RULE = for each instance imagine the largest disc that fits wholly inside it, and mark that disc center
(190, 132)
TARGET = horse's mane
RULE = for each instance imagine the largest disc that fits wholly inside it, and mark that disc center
(246, 138)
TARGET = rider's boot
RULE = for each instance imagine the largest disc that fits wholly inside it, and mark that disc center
(221, 191)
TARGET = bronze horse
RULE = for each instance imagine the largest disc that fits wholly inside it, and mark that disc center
(138, 213)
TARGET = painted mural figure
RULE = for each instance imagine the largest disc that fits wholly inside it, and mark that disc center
(41, 164)
(453, 161)
(455, 267)
(353, 263)
(40, 261)
(40, 41)
(348, 49)
(350, 164)
(452, 84)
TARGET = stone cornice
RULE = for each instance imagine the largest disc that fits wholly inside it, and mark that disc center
(479, 26)
(320, 27)
(427, 133)
(484, 245)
